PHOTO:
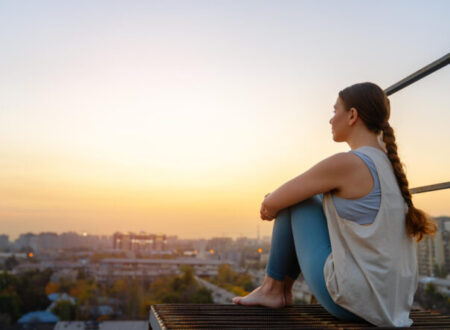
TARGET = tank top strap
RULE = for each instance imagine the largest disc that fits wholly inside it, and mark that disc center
(370, 164)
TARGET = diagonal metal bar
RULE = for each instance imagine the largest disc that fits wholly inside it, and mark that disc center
(425, 71)
(432, 187)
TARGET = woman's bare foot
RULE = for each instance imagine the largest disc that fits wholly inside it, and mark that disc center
(269, 294)
(262, 297)
(288, 297)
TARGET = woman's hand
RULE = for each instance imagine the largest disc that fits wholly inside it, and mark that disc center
(265, 213)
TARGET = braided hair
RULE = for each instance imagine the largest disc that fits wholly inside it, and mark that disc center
(373, 108)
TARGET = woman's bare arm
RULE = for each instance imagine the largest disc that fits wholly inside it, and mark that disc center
(325, 176)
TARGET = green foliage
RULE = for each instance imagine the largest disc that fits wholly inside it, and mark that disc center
(432, 290)
(202, 296)
(31, 288)
(187, 277)
(431, 298)
(225, 274)
(129, 299)
(171, 297)
(65, 310)
(10, 305)
(7, 281)
(227, 278)
(24, 293)
(11, 262)
(87, 293)
(65, 285)
(179, 289)
(10, 302)
(133, 300)
(440, 271)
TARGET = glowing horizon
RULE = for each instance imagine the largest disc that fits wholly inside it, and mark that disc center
(178, 118)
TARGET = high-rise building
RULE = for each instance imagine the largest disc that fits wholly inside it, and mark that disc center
(4, 242)
(444, 228)
(435, 251)
(48, 241)
(26, 242)
(139, 242)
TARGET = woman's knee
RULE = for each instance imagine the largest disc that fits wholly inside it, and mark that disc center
(312, 203)
(283, 213)
(308, 218)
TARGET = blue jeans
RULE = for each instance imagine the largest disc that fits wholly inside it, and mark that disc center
(300, 242)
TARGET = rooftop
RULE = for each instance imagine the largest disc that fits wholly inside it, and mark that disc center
(190, 316)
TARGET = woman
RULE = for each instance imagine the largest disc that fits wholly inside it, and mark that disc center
(348, 223)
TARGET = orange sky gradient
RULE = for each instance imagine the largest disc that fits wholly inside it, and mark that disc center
(179, 119)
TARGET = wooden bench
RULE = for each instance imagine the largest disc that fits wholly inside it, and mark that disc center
(215, 316)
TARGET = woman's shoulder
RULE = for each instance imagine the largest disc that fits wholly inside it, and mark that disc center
(348, 166)
(338, 167)
(345, 160)
(355, 157)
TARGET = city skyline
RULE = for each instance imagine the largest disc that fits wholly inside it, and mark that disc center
(257, 235)
(178, 117)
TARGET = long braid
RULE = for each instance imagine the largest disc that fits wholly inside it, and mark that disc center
(417, 222)
(374, 109)
(391, 147)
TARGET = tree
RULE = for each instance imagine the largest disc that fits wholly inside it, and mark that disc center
(202, 296)
(65, 310)
(230, 280)
(170, 298)
(179, 289)
(31, 290)
(225, 274)
(10, 306)
(11, 262)
(23, 293)
(133, 300)
(440, 271)
(429, 297)
(51, 287)
(188, 276)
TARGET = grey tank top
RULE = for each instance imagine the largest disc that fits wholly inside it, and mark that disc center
(372, 270)
(361, 210)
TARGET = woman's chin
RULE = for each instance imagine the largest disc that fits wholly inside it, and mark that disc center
(337, 139)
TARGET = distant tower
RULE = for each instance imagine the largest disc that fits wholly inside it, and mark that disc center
(257, 233)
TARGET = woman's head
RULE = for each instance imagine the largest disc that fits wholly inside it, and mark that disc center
(368, 102)
(365, 101)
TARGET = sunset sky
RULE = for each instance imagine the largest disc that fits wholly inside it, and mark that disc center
(177, 117)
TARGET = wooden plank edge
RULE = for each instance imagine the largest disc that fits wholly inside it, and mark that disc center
(155, 322)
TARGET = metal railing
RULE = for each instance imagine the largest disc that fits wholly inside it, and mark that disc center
(425, 71)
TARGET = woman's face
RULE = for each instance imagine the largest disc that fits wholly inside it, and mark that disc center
(339, 126)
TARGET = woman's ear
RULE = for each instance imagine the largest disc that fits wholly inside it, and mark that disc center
(352, 116)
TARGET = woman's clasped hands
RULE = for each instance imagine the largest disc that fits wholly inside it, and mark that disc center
(264, 212)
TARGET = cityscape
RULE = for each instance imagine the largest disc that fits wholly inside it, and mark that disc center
(70, 278)
(141, 142)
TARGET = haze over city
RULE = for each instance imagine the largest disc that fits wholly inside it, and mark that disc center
(177, 117)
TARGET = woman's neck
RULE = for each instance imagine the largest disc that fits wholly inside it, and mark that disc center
(363, 138)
